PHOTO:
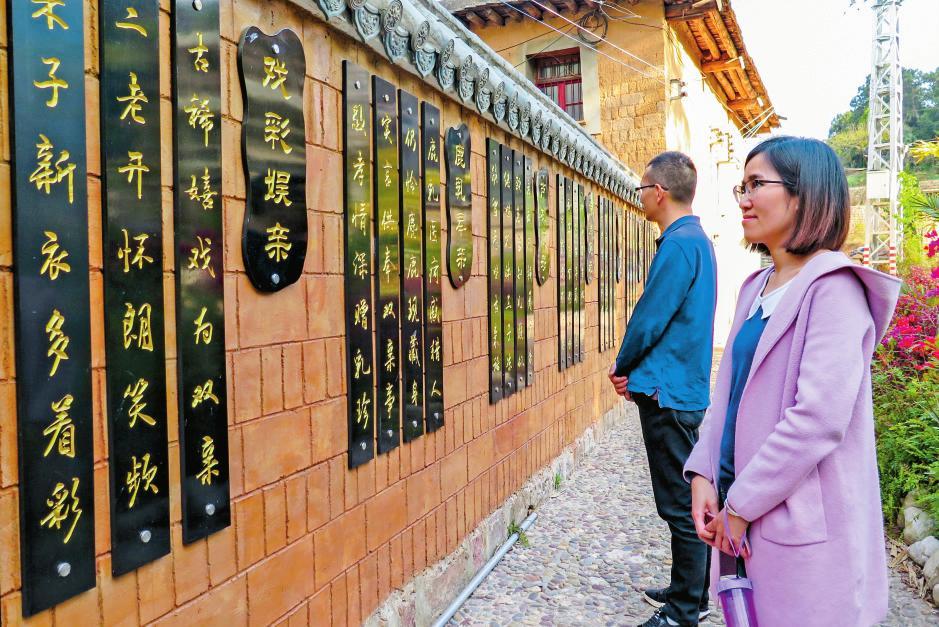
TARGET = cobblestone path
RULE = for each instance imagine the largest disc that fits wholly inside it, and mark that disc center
(597, 544)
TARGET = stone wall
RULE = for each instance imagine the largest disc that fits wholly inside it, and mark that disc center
(311, 542)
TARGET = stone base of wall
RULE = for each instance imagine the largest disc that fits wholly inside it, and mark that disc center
(429, 593)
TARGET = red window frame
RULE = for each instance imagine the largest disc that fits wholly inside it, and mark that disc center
(558, 58)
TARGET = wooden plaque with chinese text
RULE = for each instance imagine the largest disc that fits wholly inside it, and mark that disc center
(542, 227)
(274, 238)
(521, 323)
(433, 264)
(529, 272)
(51, 310)
(560, 231)
(459, 205)
(200, 366)
(508, 275)
(494, 266)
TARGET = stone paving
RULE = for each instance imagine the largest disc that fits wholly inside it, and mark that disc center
(597, 543)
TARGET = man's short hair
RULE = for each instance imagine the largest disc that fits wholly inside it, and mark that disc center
(676, 171)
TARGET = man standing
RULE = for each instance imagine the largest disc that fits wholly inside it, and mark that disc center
(664, 366)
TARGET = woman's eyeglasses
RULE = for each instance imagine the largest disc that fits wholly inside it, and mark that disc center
(748, 188)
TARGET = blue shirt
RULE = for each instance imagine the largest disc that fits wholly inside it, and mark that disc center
(669, 340)
(741, 359)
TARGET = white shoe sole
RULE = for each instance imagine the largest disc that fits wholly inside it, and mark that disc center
(702, 615)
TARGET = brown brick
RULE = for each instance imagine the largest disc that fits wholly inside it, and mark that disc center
(234, 211)
(339, 600)
(331, 116)
(293, 376)
(272, 380)
(296, 496)
(332, 241)
(318, 496)
(335, 367)
(236, 462)
(8, 438)
(397, 564)
(321, 165)
(423, 490)
(9, 541)
(280, 582)
(102, 510)
(116, 597)
(191, 567)
(451, 522)
(6, 217)
(223, 555)
(314, 381)
(384, 572)
(453, 472)
(339, 545)
(327, 306)
(222, 606)
(285, 449)
(275, 518)
(300, 617)
(419, 550)
(337, 487)
(329, 427)
(319, 608)
(353, 597)
(249, 526)
(368, 583)
(155, 586)
(270, 318)
(246, 374)
(385, 515)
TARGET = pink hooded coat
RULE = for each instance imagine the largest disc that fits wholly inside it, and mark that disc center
(806, 468)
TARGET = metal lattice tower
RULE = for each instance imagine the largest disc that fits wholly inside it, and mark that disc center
(885, 139)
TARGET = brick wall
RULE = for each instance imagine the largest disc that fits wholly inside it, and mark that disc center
(311, 542)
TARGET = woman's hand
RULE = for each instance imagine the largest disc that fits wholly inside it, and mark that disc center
(736, 529)
(619, 383)
(703, 507)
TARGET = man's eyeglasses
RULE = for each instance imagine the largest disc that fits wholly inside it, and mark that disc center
(642, 187)
(748, 188)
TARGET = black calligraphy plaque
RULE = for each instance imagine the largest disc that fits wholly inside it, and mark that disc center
(561, 230)
(50, 279)
(576, 268)
(459, 206)
(412, 284)
(274, 238)
(388, 266)
(570, 259)
(360, 310)
(201, 379)
(508, 275)
(542, 227)
(530, 243)
(618, 226)
(133, 282)
(521, 325)
(589, 234)
(494, 230)
(433, 261)
(581, 222)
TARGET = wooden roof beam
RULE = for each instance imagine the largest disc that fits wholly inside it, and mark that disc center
(744, 103)
(514, 14)
(693, 11)
(474, 19)
(492, 17)
(532, 10)
(709, 67)
(570, 5)
(723, 35)
(700, 29)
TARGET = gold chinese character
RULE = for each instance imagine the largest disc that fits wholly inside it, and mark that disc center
(390, 398)
(432, 193)
(208, 461)
(493, 175)
(200, 256)
(459, 156)
(410, 140)
(433, 389)
(135, 393)
(433, 231)
(358, 118)
(133, 100)
(358, 169)
(360, 314)
(200, 63)
(275, 130)
(388, 221)
(389, 171)
(59, 510)
(206, 195)
(141, 472)
(434, 270)
(461, 257)
(58, 341)
(360, 265)
(432, 150)
(62, 429)
(410, 183)
(390, 359)
(386, 129)
(54, 82)
(413, 350)
(388, 311)
(360, 217)
(48, 11)
(277, 182)
(506, 179)
(139, 255)
(435, 350)
(275, 73)
(201, 115)
(458, 188)
(43, 176)
(204, 393)
(135, 166)
(277, 245)
(433, 311)
(54, 262)
(362, 409)
(461, 222)
(414, 394)
(412, 271)
(518, 183)
(359, 363)
(387, 265)
(412, 309)
(203, 329)
(132, 15)
(141, 319)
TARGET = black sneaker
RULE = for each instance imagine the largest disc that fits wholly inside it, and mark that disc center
(657, 597)
(659, 619)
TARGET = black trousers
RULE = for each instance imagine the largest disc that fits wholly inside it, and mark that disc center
(669, 436)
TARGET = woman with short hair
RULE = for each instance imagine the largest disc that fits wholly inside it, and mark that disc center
(787, 447)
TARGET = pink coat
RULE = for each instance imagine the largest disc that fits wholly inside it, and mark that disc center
(806, 469)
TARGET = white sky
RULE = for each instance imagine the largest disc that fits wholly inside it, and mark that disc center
(813, 54)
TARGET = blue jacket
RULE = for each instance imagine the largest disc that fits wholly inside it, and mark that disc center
(669, 339)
